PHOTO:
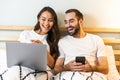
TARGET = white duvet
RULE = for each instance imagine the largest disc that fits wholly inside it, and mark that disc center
(15, 70)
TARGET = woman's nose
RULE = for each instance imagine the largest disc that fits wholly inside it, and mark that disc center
(46, 23)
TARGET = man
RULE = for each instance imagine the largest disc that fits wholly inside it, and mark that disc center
(80, 43)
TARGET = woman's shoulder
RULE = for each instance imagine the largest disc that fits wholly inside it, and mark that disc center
(27, 32)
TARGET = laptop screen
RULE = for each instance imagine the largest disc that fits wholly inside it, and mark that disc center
(29, 55)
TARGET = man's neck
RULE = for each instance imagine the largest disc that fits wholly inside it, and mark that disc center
(81, 34)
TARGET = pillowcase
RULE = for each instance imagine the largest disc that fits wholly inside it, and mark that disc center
(113, 73)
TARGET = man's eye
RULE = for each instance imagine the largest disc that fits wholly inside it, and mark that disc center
(71, 21)
(65, 22)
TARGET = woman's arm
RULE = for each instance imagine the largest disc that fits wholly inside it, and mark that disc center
(50, 60)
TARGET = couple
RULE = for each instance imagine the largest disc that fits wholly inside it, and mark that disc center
(61, 53)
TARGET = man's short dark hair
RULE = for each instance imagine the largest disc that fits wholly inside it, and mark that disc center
(79, 15)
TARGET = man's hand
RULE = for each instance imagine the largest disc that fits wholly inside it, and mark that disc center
(73, 66)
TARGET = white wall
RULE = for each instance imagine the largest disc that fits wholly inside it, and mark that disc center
(100, 13)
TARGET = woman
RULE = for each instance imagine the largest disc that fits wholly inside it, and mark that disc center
(45, 32)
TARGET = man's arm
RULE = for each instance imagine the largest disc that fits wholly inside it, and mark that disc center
(59, 65)
(71, 66)
(102, 65)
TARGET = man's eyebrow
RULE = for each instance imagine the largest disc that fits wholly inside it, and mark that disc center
(65, 20)
(69, 20)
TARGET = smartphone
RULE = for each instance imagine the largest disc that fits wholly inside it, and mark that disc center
(80, 59)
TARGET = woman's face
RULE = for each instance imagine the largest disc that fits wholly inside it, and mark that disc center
(46, 21)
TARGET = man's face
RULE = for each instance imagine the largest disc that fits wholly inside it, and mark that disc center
(72, 24)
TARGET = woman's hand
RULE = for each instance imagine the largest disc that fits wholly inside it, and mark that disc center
(36, 41)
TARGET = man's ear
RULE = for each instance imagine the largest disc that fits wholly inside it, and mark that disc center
(80, 21)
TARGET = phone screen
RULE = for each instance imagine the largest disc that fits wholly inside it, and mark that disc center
(80, 59)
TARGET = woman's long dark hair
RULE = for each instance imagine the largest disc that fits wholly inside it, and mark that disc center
(53, 34)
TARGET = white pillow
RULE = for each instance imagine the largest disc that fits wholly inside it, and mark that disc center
(3, 61)
(113, 73)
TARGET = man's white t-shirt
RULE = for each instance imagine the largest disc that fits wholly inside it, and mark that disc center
(91, 46)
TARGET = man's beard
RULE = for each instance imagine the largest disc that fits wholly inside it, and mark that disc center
(76, 30)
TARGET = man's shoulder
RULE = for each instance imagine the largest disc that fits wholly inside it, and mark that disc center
(64, 38)
(93, 35)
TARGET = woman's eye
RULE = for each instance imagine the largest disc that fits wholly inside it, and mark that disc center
(43, 19)
(50, 20)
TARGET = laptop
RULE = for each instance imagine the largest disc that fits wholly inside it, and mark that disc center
(29, 55)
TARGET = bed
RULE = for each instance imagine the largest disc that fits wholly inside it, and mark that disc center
(113, 53)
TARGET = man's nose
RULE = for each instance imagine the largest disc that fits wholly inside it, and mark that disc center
(68, 24)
